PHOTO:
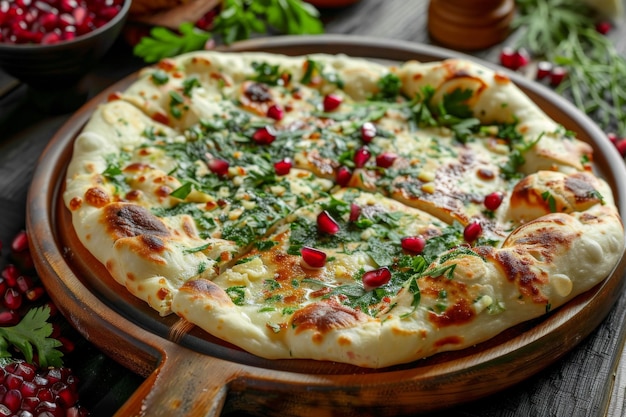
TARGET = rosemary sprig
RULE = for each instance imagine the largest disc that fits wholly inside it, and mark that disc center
(563, 32)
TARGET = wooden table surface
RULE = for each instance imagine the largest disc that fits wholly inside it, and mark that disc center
(589, 381)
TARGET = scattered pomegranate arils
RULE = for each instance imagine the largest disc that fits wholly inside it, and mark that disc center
(376, 278)
(612, 137)
(332, 102)
(275, 112)
(355, 212)
(343, 176)
(557, 76)
(20, 242)
(413, 244)
(218, 166)
(603, 27)
(514, 59)
(368, 132)
(361, 156)
(313, 258)
(283, 167)
(492, 201)
(385, 159)
(326, 223)
(264, 135)
(472, 231)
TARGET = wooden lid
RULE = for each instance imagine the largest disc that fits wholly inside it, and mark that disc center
(470, 24)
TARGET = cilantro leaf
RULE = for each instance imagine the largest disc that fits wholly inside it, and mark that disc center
(32, 334)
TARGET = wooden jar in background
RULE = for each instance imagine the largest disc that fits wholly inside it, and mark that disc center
(470, 24)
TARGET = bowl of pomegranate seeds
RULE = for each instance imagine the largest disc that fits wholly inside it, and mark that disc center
(50, 44)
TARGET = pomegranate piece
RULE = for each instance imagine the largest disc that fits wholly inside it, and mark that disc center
(332, 102)
(385, 159)
(413, 244)
(361, 156)
(355, 212)
(544, 69)
(557, 76)
(492, 201)
(472, 231)
(264, 135)
(275, 112)
(368, 132)
(620, 145)
(283, 167)
(603, 27)
(343, 176)
(326, 223)
(612, 137)
(219, 166)
(376, 278)
(312, 258)
(20, 242)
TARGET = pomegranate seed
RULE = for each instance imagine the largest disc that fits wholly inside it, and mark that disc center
(264, 135)
(219, 166)
(472, 231)
(10, 273)
(544, 69)
(13, 400)
(376, 278)
(9, 317)
(355, 212)
(275, 112)
(612, 137)
(361, 156)
(312, 258)
(621, 146)
(343, 176)
(68, 5)
(604, 27)
(68, 346)
(35, 294)
(332, 102)
(283, 167)
(12, 299)
(557, 76)
(385, 159)
(368, 132)
(492, 201)
(24, 283)
(20, 242)
(51, 38)
(413, 244)
(326, 224)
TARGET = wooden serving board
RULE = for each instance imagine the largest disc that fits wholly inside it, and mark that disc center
(191, 373)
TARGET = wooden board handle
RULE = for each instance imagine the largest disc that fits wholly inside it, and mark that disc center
(186, 383)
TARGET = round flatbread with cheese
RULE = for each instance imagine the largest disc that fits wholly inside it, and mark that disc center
(327, 207)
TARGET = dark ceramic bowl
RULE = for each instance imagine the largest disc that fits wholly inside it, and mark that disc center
(58, 66)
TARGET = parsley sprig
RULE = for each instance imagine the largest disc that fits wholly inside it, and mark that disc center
(237, 20)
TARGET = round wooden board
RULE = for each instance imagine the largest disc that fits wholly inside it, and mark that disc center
(190, 373)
